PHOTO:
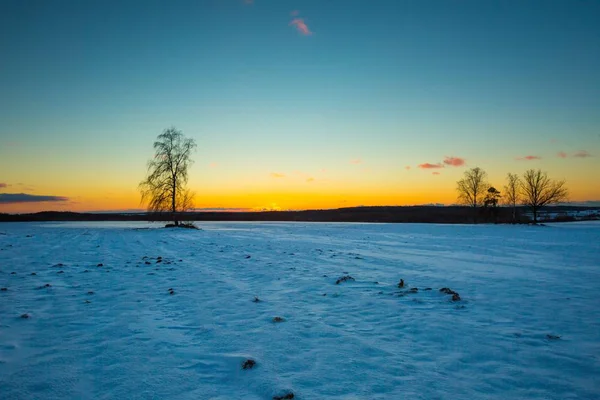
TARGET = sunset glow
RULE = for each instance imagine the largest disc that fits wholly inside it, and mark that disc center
(295, 106)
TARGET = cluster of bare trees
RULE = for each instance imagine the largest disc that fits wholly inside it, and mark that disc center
(534, 190)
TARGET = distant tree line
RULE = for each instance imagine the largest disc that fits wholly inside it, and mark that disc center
(534, 190)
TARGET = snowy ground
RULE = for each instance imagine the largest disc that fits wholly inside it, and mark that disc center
(115, 332)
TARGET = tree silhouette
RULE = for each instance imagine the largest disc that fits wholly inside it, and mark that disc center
(512, 193)
(492, 197)
(491, 200)
(539, 190)
(164, 189)
(471, 188)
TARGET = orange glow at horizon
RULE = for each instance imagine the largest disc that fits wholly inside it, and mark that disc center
(260, 201)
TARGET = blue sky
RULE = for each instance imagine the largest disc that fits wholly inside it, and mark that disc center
(367, 89)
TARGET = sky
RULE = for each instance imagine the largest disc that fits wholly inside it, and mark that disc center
(295, 104)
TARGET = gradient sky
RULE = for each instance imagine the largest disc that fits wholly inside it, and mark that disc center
(296, 104)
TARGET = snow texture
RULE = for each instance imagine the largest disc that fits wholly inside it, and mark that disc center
(108, 320)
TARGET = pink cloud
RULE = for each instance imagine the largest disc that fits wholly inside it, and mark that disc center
(561, 154)
(295, 13)
(407, 167)
(3, 185)
(277, 175)
(529, 158)
(213, 165)
(430, 166)
(454, 161)
(356, 161)
(582, 154)
(301, 26)
(435, 173)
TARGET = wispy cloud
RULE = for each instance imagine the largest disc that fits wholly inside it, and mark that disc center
(301, 26)
(528, 158)
(582, 154)
(277, 175)
(3, 185)
(579, 154)
(213, 165)
(454, 161)
(295, 13)
(407, 167)
(10, 198)
(310, 180)
(435, 173)
(430, 166)
(356, 161)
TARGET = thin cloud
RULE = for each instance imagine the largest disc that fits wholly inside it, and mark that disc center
(309, 180)
(356, 161)
(529, 158)
(3, 185)
(561, 154)
(213, 165)
(454, 161)
(435, 173)
(295, 13)
(430, 166)
(582, 154)
(277, 175)
(301, 26)
(11, 198)
(407, 167)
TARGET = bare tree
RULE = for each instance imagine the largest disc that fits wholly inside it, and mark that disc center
(164, 189)
(539, 190)
(471, 189)
(512, 195)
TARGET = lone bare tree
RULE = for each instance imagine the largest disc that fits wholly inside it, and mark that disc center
(164, 189)
(471, 189)
(539, 190)
(512, 193)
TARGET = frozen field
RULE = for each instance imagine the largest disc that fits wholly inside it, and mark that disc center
(115, 332)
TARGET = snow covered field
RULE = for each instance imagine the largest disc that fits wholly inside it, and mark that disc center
(115, 332)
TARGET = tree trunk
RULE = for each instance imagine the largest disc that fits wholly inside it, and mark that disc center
(514, 213)
(173, 209)
(535, 215)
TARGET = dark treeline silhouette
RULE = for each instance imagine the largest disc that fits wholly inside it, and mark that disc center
(394, 214)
